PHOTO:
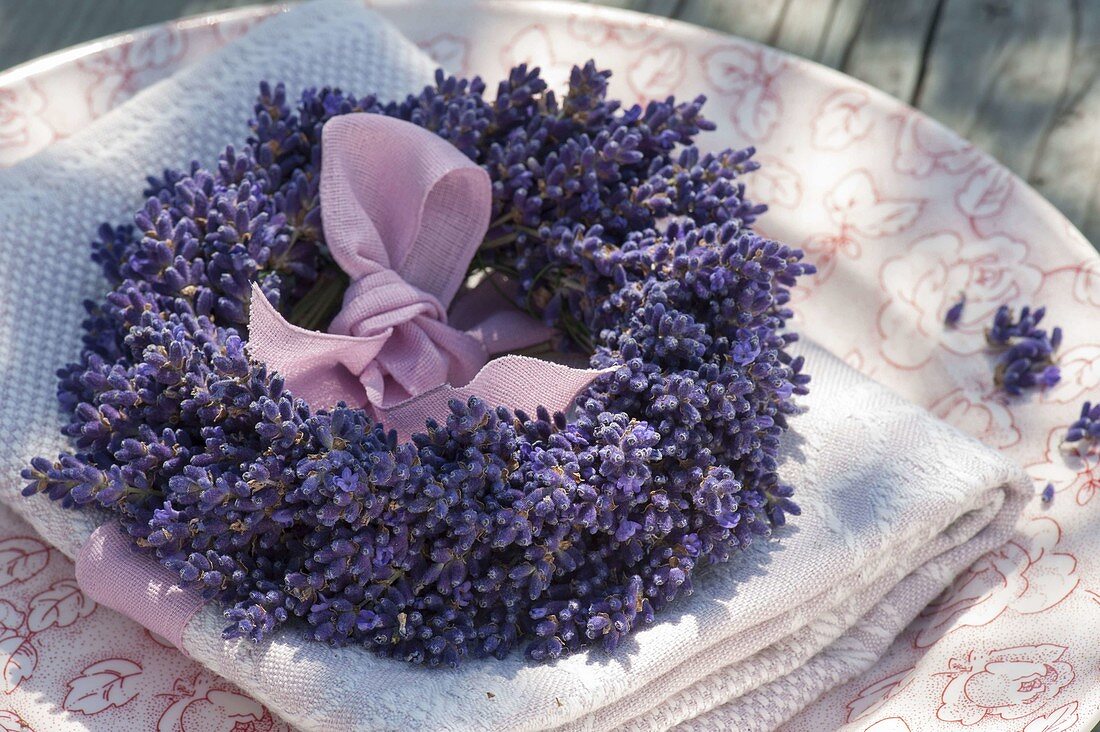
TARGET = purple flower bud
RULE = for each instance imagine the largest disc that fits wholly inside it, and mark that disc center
(954, 313)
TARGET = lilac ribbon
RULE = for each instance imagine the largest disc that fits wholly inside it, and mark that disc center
(110, 572)
(403, 213)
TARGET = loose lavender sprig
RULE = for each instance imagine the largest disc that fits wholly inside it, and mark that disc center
(954, 313)
(492, 528)
(1087, 426)
(1027, 351)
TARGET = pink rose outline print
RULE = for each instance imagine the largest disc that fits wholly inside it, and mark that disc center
(1062, 719)
(102, 685)
(23, 126)
(843, 119)
(18, 659)
(921, 283)
(1010, 683)
(119, 73)
(201, 705)
(449, 51)
(1072, 468)
(748, 77)
(21, 558)
(920, 150)
(859, 211)
(1026, 576)
(10, 721)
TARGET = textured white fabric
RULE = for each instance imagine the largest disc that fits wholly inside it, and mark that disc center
(896, 502)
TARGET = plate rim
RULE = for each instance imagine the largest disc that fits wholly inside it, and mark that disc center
(883, 102)
(71, 54)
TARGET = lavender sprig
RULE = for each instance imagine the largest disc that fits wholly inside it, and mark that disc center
(1087, 425)
(954, 313)
(1027, 351)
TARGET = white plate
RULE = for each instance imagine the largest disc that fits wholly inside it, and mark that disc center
(900, 216)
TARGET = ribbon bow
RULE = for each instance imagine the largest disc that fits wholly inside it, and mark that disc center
(404, 213)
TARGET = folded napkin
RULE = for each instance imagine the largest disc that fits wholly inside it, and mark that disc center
(895, 502)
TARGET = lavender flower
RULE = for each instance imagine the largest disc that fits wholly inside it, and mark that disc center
(491, 529)
(954, 313)
(1087, 426)
(1027, 351)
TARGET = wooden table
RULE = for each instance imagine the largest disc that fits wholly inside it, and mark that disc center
(1016, 77)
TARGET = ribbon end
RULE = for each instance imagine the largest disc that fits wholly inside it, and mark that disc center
(515, 382)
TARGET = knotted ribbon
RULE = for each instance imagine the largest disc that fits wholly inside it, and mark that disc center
(403, 213)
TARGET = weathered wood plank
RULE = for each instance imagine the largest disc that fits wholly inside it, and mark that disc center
(1067, 164)
(888, 48)
(755, 19)
(845, 23)
(996, 71)
(30, 28)
(803, 26)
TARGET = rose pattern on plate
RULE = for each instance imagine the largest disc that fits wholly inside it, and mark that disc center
(11, 618)
(21, 558)
(534, 46)
(1086, 283)
(41, 603)
(1027, 576)
(984, 194)
(1062, 719)
(970, 199)
(858, 360)
(205, 704)
(102, 685)
(921, 147)
(228, 32)
(922, 283)
(776, 183)
(11, 722)
(1009, 683)
(1072, 467)
(18, 659)
(859, 211)
(121, 72)
(889, 724)
(657, 71)
(1080, 367)
(60, 605)
(981, 410)
(748, 77)
(24, 129)
(656, 68)
(844, 118)
(596, 32)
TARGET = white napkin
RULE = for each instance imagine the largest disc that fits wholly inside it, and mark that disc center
(895, 502)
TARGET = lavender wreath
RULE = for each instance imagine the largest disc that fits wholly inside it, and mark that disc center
(491, 527)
